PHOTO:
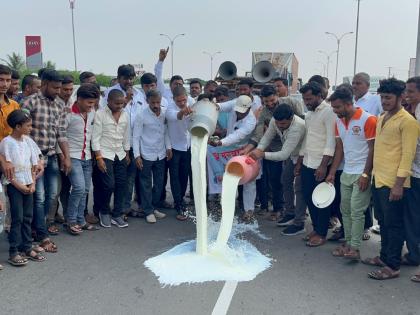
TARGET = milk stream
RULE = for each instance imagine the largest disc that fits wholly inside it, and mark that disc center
(198, 165)
(229, 188)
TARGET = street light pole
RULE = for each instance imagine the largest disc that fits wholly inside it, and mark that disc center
(211, 61)
(417, 71)
(328, 55)
(357, 38)
(338, 51)
(172, 40)
(74, 37)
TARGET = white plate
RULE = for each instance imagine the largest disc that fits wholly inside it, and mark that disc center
(323, 195)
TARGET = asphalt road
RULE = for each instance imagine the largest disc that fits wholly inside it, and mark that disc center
(102, 272)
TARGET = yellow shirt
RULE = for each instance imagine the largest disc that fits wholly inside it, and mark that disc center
(395, 148)
(6, 108)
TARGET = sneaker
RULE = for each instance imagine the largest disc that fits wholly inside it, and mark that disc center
(293, 230)
(159, 214)
(286, 220)
(105, 220)
(119, 221)
(151, 218)
(376, 229)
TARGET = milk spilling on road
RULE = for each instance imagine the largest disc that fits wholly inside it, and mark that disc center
(198, 165)
(205, 259)
(229, 188)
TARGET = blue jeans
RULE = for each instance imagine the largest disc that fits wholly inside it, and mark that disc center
(80, 177)
(151, 193)
(45, 194)
(131, 179)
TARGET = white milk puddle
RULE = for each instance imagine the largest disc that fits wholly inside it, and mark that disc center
(239, 261)
(230, 258)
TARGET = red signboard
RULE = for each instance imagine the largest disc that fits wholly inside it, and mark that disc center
(33, 45)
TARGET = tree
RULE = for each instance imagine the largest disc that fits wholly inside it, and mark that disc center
(15, 62)
(49, 64)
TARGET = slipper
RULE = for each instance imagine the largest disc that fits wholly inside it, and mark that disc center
(17, 261)
(375, 261)
(53, 230)
(340, 251)
(34, 256)
(38, 249)
(384, 273)
(89, 227)
(415, 278)
(48, 245)
(181, 217)
(316, 241)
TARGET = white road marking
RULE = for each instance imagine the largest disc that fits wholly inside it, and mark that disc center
(225, 297)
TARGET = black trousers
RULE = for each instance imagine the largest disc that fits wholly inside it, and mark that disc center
(114, 181)
(320, 217)
(390, 215)
(179, 169)
(412, 221)
(21, 210)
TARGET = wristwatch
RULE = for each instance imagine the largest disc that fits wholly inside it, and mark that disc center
(364, 175)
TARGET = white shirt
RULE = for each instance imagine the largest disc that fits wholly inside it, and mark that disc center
(150, 135)
(178, 128)
(133, 109)
(237, 130)
(104, 101)
(370, 103)
(320, 135)
(109, 136)
(416, 162)
(255, 105)
(165, 91)
(23, 155)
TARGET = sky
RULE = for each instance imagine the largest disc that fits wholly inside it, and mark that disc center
(110, 33)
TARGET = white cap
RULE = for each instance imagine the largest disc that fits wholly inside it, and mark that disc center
(243, 103)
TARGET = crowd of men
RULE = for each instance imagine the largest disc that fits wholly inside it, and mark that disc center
(128, 142)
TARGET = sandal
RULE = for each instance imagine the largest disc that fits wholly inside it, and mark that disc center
(384, 273)
(34, 256)
(273, 217)
(375, 261)
(340, 251)
(17, 261)
(49, 246)
(309, 236)
(53, 230)
(366, 235)
(415, 278)
(181, 217)
(352, 254)
(38, 249)
(1, 267)
(88, 227)
(248, 216)
(73, 229)
(316, 241)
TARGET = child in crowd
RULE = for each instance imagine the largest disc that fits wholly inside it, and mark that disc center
(21, 150)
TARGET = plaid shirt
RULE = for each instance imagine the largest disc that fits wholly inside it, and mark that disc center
(48, 122)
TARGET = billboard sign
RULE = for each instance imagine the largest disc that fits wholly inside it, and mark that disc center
(33, 52)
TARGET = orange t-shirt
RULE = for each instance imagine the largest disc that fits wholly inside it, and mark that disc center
(6, 107)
